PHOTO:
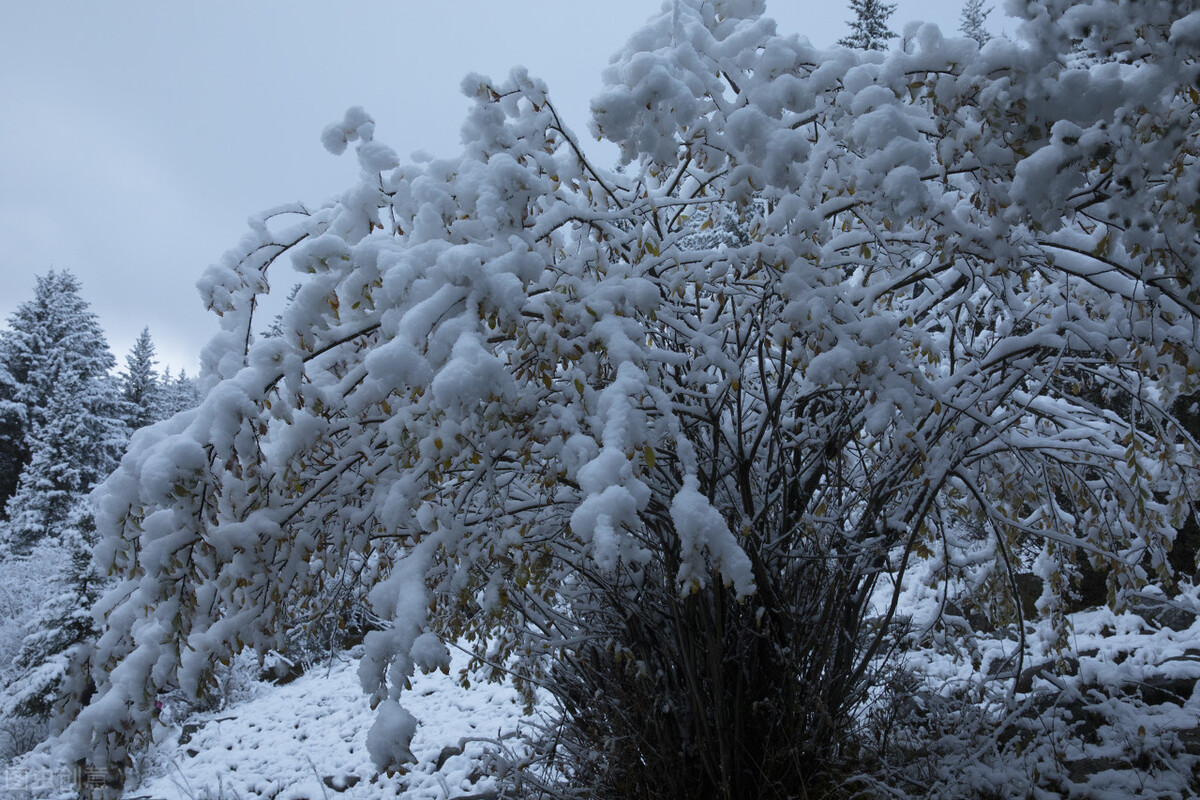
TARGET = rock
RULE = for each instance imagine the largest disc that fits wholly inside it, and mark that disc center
(1163, 613)
(1029, 589)
(1156, 691)
(189, 730)
(1047, 669)
(1084, 768)
(340, 783)
(447, 752)
(1190, 739)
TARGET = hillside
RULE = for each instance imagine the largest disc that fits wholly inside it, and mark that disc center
(307, 740)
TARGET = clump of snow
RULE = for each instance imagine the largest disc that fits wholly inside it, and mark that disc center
(471, 376)
(390, 735)
(430, 653)
(356, 124)
(701, 528)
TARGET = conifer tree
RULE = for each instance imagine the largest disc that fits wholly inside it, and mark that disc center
(58, 363)
(61, 432)
(974, 15)
(56, 330)
(140, 384)
(175, 393)
(73, 447)
(869, 28)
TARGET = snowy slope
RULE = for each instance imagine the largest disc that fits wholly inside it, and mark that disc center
(1115, 716)
(307, 739)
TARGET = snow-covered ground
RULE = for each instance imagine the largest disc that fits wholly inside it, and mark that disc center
(1115, 715)
(307, 740)
(1110, 712)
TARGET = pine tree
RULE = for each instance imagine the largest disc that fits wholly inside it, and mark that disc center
(58, 360)
(175, 394)
(869, 28)
(54, 331)
(974, 15)
(140, 384)
(73, 447)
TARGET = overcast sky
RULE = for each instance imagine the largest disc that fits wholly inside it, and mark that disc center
(137, 137)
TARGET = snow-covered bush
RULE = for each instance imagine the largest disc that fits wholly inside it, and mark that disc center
(26, 584)
(511, 393)
(49, 669)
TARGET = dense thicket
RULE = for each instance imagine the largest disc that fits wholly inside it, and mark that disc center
(519, 400)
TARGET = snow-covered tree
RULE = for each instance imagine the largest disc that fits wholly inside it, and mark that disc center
(869, 28)
(973, 21)
(149, 396)
(54, 331)
(140, 384)
(515, 390)
(74, 447)
(13, 450)
(174, 394)
(59, 362)
(49, 669)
